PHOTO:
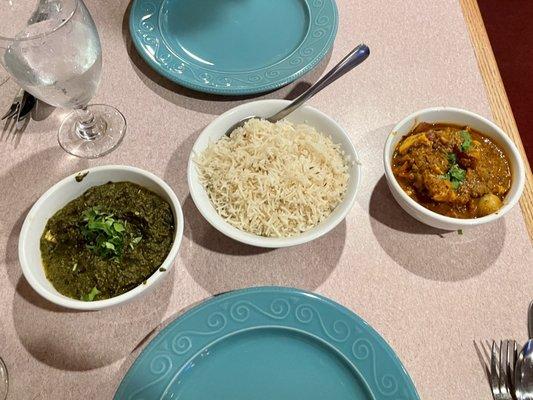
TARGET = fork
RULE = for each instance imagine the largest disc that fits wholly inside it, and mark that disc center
(502, 362)
(15, 106)
(26, 105)
(22, 104)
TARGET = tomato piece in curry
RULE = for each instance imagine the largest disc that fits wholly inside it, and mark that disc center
(452, 170)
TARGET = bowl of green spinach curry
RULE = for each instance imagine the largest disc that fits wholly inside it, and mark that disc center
(101, 237)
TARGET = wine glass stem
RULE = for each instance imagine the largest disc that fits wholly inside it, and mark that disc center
(85, 127)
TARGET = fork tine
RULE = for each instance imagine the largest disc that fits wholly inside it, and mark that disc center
(15, 105)
(484, 361)
(504, 364)
(511, 365)
(501, 372)
(508, 356)
(12, 111)
(494, 371)
(507, 375)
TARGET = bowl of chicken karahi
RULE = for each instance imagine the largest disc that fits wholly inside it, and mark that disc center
(452, 169)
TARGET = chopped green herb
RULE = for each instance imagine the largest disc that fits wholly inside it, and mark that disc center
(103, 234)
(467, 141)
(118, 227)
(456, 175)
(162, 269)
(135, 241)
(452, 158)
(91, 295)
(460, 231)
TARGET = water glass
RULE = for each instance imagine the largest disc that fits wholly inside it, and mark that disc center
(52, 49)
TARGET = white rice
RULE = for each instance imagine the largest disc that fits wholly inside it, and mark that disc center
(274, 180)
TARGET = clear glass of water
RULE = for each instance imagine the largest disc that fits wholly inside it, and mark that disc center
(52, 49)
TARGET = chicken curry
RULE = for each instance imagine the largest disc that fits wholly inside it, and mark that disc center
(452, 170)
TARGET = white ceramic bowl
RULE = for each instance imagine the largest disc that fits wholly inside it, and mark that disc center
(56, 198)
(458, 117)
(265, 108)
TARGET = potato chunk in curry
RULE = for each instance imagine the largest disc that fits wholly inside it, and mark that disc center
(452, 170)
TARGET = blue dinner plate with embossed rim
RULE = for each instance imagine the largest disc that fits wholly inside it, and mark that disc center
(233, 47)
(267, 343)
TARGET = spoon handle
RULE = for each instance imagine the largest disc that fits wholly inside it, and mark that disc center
(352, 60)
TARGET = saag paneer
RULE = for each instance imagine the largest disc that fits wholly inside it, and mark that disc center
(107, 241)
(452, 170)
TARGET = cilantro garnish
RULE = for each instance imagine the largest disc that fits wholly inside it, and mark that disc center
(452, 158)
(467, 141)
(134, 241)
(106, 235)
(456, 175)
(91, 295)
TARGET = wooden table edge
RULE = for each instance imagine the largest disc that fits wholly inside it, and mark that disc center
(499, 103)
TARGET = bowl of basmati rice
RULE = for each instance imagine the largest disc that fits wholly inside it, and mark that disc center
(274, 185)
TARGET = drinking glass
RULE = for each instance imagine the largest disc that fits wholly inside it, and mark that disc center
(52, 49)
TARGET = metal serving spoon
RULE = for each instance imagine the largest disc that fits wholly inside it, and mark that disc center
(524, 365)
(352, 60)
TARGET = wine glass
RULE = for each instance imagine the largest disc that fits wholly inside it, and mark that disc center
(53, 51)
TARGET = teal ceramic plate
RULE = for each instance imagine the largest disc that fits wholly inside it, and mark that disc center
(233, 47)
(267, 343)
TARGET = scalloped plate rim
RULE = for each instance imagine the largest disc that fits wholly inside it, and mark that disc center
(253, 89)
(396, 363)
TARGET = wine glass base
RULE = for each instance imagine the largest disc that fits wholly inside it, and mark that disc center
(111, 127)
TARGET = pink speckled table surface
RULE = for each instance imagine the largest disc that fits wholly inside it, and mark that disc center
(429, 294)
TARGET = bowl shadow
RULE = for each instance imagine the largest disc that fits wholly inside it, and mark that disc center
(205, 102)
(72, 340)
(62, 338)
(220, 264)
(26, 182)
(428, 252)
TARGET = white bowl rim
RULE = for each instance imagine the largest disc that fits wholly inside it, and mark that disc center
(113, 301)
(267, 242)
(518, 178)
